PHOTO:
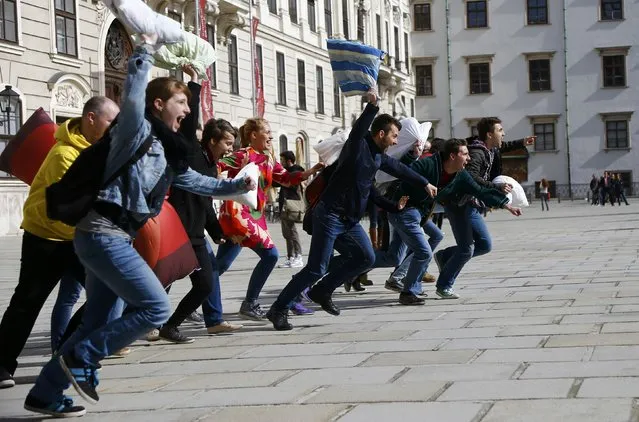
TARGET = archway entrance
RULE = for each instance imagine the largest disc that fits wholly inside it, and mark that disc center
(118, 49)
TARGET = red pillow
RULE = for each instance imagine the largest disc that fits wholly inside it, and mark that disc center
(26, 151)
(165, 246)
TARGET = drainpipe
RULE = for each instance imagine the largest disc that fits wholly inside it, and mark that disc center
(567, 108)
(450, 71)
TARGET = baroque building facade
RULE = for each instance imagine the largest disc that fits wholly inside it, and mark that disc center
(56, 54)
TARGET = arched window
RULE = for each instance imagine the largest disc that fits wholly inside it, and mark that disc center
(283, 143)
(10, 117)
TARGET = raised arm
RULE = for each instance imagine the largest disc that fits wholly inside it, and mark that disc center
(188, 127)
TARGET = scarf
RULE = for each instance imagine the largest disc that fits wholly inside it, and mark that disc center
(176, 147)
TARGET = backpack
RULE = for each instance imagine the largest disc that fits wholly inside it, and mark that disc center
(71, 198)
(312, 194)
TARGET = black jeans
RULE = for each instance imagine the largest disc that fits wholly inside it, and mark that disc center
(202, 285)
(43, 263)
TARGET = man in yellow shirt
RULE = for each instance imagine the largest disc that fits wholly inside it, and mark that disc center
(47, 245)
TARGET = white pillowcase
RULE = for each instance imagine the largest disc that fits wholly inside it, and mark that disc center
(517, 198)
(247, 198)
(139, 18)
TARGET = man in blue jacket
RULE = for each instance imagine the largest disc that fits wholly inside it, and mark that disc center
(341, 206)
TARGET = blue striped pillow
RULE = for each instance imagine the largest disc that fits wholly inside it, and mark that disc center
(355, 65)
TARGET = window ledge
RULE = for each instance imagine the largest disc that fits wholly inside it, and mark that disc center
(427, 96)
(543, 91)
(337, 119)
(538, 24)
(615, 87)
(617, 149)
(477, 27)
(9, 48)
(319, 115)
(281, 107)
(215, 92)
(236, 98)
(545, 151)
(424, 30)
(302, 112)
(480, 94)
(611, 20)
(66, 60)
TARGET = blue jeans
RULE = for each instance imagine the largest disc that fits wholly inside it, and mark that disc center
(329, 232)
(114, 269)
(472, 237)
(435, 236)
(226, 254)
(407, 235)
(212, 306)
(68, 296)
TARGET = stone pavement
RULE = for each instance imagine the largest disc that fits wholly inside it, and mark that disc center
(547, 329)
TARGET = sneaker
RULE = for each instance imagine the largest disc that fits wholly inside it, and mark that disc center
(285, 264)
(83, 377)
(428, 278)
(422, 293)
(252, 311)
(195, 317)
(223, 327)
(439, 260)
(447, 294)
(120, 353)
(153, 335)
(304, 295)
(6, 379)
(297, 262)
(279, 319)
(410, 299)
(299, 309)
(63, 408)
(174, 335)
(394, 285)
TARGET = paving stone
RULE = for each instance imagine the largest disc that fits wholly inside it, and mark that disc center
(615, 353)
(182, 415)
(143, 401)
(391, 346)
(530, 305)
(212, 367)
(364, 336)
(600, 318)
(138, 385)
(241, 397)
(528, 330)
(287, 413)
(505, 322)
(567, 310)
(291, 338)
(610, 387)
(616, 368)
(425, 325)
(200, 354)
(460, 372)
(418, 412)
(377, 393)
(420, 358)
(566, 354)
(508, 389)
(227, 380)
(335, 376)
(455, 333)
(566, 410)
(493, 343)
(317, 361)
(592, 340)
(620, 327)
(294, 350)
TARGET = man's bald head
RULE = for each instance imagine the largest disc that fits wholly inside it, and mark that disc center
(97, 115)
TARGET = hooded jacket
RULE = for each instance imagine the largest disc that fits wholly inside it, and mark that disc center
(69, 143)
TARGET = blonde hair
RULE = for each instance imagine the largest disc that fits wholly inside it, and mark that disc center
(250, 126)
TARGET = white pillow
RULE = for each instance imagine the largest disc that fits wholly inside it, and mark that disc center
(330, 148)
(139, 18)
(517, 198)
(247, 198)
(193, 50)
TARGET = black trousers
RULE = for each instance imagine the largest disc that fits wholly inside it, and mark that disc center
(202, 285)
(42, 265)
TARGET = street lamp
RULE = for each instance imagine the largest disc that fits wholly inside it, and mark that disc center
(9, 107)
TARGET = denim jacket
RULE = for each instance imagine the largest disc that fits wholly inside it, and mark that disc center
(148, 180)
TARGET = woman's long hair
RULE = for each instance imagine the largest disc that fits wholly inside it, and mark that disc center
(544, 183)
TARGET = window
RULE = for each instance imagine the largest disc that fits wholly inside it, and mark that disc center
(176, 73)
(360, 24)
(473, 131)
(210, 34)
(479, 74)
(64, 27)
(234, 87)
(398, 62)
(545, 133)
(412, 107)
(378, 30)
(8, 19)
(614, 71)
(272, 6)
(337, 106)
(281, 78)
(611, 10)
(301, 85)
(312, 23)
(345, 18)
(319, 77)
(387, 37)
(476, 14)
(539, 75)
(328, 17)
(10, 118)
(283, 143)
(260, 64)
(422, 17)
(617, 134)
(406, 51)
(537, 12)
(292, 10)
(424, 80)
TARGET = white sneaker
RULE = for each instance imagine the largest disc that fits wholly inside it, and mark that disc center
(297, 262)
(153, 335)
(286, 264)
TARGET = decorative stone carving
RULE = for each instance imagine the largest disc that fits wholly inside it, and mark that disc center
(226, 23)
(365, 5)
(407, 23)
(68, 96)
(115, 49)
(396, 15)
(102, 12)
(387, 7)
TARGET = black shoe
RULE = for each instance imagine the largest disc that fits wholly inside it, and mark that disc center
(324, 301)
(252, 311)
(174, 335)
(195, 317)
(348, 285)
(364, 281)
(394, 285)
(410, 299)
(6, 379)
(63, 408)
(357, 286)
(279, 320)
(83, 377)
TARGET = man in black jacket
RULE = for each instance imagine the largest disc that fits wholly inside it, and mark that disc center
(341, 206)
